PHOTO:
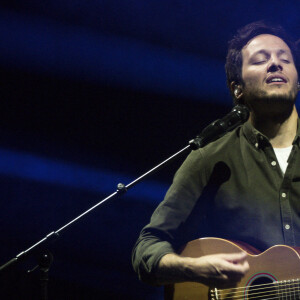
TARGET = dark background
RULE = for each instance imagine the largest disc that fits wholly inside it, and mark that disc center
(94, 93)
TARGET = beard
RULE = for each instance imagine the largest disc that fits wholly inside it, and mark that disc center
(277, 106)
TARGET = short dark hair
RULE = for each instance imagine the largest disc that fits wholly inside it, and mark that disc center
(234, 59)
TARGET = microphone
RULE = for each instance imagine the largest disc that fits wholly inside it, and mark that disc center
(238, 115)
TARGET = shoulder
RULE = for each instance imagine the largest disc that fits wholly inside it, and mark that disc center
(200, 162)
(229, 143)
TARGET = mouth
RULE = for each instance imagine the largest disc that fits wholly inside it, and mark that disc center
(276, 79)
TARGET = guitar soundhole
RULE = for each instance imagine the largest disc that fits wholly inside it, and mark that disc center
(261, 288)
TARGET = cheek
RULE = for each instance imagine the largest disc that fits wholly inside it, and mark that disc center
(251, 78)
(251, 75)
(296, 76)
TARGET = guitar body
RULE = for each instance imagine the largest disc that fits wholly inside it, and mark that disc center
(273, 274)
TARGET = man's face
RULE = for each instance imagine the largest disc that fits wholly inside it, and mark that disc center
(268, 71)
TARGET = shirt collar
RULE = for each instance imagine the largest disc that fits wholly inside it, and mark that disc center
(257, 139)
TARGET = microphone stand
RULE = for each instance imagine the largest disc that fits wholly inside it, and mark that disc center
(46, 257)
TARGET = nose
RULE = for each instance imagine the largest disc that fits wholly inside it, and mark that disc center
(275, 65)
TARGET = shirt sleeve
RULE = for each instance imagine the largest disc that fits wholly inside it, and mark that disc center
(166, 230)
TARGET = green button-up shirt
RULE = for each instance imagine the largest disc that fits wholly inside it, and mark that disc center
(234, 189)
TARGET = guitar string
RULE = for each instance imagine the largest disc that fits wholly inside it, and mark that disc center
(283, 292)
(265, 292)
(277, 297)
(265, 285)
(291, 292)
(275, 284)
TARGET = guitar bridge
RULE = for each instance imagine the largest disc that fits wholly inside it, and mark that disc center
(214, 294)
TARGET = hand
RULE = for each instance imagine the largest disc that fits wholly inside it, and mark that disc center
(218, 270)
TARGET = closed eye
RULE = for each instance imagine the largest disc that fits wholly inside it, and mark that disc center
(259, 62)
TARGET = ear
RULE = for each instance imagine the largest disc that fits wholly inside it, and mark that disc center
(236, 90)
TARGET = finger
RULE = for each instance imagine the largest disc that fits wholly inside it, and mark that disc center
(240, 268)
(235, 257)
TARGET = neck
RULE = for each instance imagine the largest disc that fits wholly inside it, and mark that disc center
(281, 130)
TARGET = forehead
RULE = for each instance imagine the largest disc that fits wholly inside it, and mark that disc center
(265, 42)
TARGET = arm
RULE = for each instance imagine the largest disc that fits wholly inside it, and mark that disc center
(220, 270)
(163, 234)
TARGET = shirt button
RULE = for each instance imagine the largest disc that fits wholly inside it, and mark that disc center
(287, 226)
(283, 195)
(273, 163)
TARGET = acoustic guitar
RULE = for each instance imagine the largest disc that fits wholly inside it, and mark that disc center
(274, 273)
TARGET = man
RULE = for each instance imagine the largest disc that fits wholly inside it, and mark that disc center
(246, 185)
